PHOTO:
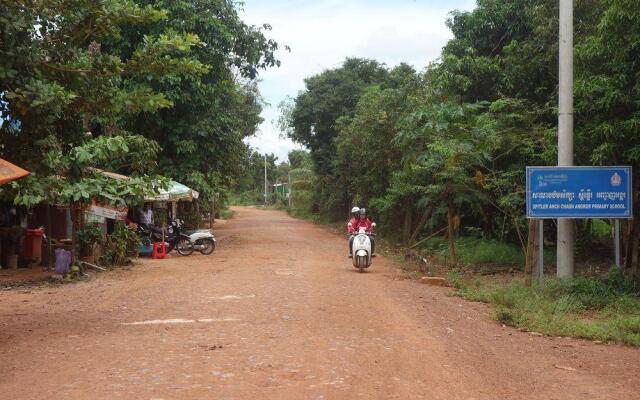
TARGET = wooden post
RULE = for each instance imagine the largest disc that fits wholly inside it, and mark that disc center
(74, 229)
(49, 235)
(532, 248)
(541, 253)
(406, 226)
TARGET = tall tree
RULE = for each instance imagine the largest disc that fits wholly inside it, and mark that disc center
(313, 122)
(62, 91)
(201, 135)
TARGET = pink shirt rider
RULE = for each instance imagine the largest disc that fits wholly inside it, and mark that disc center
(363, 223)
(351, 228)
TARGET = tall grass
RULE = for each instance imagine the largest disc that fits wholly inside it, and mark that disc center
(604, 309)
(477, 251)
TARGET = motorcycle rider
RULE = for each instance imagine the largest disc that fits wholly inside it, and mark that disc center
(365, 222)
(351, 230)
(362, 222)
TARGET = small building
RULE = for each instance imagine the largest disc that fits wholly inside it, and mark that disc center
(282, 189)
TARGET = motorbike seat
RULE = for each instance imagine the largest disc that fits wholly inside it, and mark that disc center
(191, 232)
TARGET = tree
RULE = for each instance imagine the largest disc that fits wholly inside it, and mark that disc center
(64, 95)
(607, 98)
(312, 121)
(201, 135)
(300, 159)
(60, 86)
(366, 154)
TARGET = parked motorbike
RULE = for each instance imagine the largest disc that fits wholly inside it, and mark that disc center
(203, 240)
(361, 249)
(173, 237)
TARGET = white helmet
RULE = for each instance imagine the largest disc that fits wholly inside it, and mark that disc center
(355, 210)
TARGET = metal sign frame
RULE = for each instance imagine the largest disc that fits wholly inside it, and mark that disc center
(629, 193)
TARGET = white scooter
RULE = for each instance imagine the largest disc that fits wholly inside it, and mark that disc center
(203, 240)
(361, 249)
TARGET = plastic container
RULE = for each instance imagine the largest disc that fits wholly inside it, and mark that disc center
(63, 261)
(32, 249)
(145, 250)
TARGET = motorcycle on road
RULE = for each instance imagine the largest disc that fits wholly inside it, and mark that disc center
(361, 249)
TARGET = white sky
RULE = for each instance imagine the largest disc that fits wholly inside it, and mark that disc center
(323, 33)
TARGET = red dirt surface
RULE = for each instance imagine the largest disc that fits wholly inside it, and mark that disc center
(277, 312)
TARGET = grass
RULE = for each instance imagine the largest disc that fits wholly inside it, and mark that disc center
(603, 309)
(601, 228)
(477, 251)
(248, 198)
(226, 214)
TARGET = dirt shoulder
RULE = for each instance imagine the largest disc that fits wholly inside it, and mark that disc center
(277, 312)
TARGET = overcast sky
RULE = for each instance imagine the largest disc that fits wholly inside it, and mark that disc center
(323, 33)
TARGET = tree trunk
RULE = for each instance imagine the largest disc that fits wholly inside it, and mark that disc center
(515, 224)
(450, 235)
(423, 220)
(634, 251)
(532, 251)
(406, 227)
(632, 237)
(488, 224)
(212, 211)
(632, 240)
(74, 229)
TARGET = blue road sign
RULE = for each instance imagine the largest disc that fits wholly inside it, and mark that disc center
(579, 192)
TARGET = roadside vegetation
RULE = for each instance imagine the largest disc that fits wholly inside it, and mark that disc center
(443, 150)
(438, 155)
(596, 308)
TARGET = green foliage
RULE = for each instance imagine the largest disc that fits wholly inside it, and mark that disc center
(457, 137)
(178, 73)
(64, 97)
(591, 308)
(87, 236)
(478, 251)
(121, 246)
(313, 121)
(226, 214)
(202, 132)
(73, 176)
(246, 198)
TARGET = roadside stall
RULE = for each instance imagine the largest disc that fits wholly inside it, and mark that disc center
(168, 199)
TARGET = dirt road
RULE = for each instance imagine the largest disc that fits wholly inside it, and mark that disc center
(278, 313)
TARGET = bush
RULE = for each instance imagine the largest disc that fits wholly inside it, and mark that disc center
(226, 214)
(246, 198)
(121, 246)
(478, 251)
(473, 250)
(87, 236)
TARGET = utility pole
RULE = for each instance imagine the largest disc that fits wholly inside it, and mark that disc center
(289, 187)
(265, 179)
(565, 131)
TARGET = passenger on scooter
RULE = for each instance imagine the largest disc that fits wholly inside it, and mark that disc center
(351, 230)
